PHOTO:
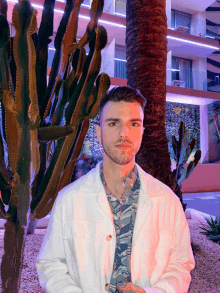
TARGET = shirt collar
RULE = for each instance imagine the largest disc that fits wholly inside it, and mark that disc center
(128, 180)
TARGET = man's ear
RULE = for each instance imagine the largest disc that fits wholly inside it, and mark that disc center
(98, 132)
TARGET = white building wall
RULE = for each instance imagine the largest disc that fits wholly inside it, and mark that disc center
(198, 25)
(168, 12)
(108, 55)
(109, 6)
(204, 134)
(199, 70)
(169, 67)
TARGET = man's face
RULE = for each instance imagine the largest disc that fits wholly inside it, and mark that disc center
(121, 123)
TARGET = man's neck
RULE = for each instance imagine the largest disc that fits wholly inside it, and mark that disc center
(114, 173)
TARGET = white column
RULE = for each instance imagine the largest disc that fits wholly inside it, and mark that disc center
(169, 67)
(204, 134)
(168, 12)
(199, 69)
(198, 25)
(108, 55)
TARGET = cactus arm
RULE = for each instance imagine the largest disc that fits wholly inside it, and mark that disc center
(63, 23)
(26, 106)
(63, 96)
(40, 174)
(52, 83)
(51, 181)
(69, 37)
(75, 91)
(33, 111)
(75, 74)
(57, 57)
(182, 177)
(95, 14)
(74, 60)
(12, 129)
(193, 163)
(80, 110)
(183, 148)
(52, 133)
(5, 84)
(102, 85)
(175, 146)
(68, 46)
(68, 171)
(97, 7)
(181, 136)
(5, 76)
(45, 31)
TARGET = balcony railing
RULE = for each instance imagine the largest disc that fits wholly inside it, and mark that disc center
(195, 79)
(120, 68)
(212, 30)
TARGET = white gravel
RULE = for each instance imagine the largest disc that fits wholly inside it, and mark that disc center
(205, 276)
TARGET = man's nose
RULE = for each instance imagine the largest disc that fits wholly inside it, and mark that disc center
(124, 131)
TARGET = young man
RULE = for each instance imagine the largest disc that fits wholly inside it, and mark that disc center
(117, 229)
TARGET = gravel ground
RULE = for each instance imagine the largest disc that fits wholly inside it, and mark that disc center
(205, 276)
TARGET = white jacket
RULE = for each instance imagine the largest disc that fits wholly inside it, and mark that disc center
(77, 252)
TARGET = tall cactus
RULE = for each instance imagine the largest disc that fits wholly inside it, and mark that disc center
(39, 120)
(182, 150)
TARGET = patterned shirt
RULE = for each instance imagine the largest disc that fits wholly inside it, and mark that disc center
(124, 214)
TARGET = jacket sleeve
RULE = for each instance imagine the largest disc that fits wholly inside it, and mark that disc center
(51, 261)
(176, 275)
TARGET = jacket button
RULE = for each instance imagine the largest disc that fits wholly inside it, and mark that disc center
(109, 237)
(107, 287)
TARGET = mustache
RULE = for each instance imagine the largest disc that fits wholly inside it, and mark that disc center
(124, 142)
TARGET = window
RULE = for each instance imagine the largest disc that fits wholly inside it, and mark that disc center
(180, 19)
(120, 62)
(120, 7)
(182, 71)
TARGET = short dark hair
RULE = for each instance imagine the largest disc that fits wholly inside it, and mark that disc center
(123, 93)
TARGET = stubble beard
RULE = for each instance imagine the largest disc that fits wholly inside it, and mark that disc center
(122, 158)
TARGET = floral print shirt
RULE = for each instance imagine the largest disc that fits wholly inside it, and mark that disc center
(124, 213)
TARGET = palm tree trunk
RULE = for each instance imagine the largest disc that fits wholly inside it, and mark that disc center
(146, 50)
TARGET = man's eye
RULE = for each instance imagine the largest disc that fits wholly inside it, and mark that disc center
(136, 124)
(110, 124)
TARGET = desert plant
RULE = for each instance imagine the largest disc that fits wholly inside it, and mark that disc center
(40, 119)
(182, 150)
(212, 230)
